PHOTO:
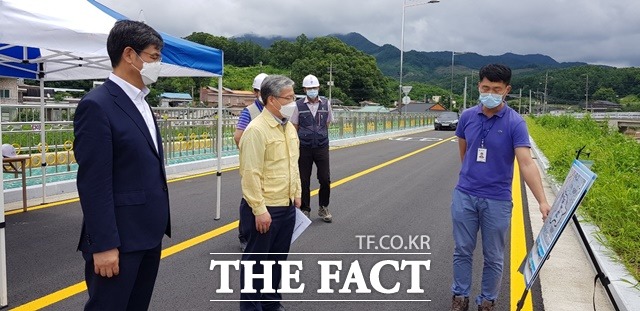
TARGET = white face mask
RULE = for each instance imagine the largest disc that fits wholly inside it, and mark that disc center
(288, 110)
(149, 71)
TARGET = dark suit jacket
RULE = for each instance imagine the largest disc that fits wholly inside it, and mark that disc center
(121, 178)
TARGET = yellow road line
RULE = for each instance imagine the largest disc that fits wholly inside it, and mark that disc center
(73, 200)
(63, 202)
(518, 243)
(201, 174)
(199, 239)
(81, 286)
(46, 205)
(379, 166)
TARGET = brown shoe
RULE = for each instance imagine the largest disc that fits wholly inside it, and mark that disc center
(460, 303)
(486, 305)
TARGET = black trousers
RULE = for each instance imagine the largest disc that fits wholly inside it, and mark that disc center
(319, 156)
(242, 236)
(272, 245)
(129, 290)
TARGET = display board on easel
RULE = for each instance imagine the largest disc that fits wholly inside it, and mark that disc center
(575, 187)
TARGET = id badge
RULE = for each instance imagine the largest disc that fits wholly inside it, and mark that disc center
(482, 155)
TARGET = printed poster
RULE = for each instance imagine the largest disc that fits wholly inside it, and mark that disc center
(575, 187)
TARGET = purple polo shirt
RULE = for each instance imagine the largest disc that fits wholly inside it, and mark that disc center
(245, 116)
(502, 133)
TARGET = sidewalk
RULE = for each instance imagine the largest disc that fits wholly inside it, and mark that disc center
(567, 276)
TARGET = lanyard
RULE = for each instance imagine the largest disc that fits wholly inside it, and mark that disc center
(484, 132)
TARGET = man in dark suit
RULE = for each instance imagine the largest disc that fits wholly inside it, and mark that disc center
(121, 178)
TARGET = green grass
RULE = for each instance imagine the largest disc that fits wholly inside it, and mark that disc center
(613, 203)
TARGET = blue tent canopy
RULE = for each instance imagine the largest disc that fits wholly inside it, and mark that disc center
(180, 52)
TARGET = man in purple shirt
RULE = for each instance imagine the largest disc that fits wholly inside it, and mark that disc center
(490, 136)
(248, 114)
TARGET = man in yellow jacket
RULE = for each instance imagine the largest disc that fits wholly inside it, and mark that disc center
(269, 152)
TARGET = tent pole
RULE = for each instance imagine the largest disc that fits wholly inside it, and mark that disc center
(43, 146)
(3, 255)
(219, 147)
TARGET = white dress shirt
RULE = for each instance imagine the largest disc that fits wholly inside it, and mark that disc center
(137, 97)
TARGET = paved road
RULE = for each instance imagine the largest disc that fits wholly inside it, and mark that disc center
(397, 187)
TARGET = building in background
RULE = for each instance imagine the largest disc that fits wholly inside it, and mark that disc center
(233, 100)
(175, 100)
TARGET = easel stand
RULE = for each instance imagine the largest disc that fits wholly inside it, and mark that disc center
(604, 280)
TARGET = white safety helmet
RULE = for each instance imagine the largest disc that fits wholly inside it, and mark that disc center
(257, 81)
(8, 151)
(310, 81)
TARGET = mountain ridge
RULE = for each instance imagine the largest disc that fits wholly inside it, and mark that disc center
(428, 66)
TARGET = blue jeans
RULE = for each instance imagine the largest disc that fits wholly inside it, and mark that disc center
(470, 213)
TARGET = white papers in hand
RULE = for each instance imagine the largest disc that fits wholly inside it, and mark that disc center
(302, 222)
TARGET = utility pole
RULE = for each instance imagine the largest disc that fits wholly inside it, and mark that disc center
(546, 80)
(529, 102)
(520, 102)
(474, 85)
(586, 95)
(453, 53)
(538, 99)
(330, 83)
(464, 105)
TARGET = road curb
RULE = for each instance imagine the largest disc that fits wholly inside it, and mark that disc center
(625, 295)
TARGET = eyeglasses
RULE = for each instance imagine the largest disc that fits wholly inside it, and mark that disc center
(155, 57)
(289, 98)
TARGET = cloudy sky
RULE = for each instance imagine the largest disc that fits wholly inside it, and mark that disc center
(593, 31)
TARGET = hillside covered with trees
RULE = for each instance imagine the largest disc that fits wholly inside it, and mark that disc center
(365, 71)
(362, 71)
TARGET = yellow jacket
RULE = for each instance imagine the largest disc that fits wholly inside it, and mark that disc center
(269, 153)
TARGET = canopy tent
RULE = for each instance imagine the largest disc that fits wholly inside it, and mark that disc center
(69, 37)
(66, 40)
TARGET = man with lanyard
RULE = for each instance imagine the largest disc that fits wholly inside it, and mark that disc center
(490, 135)
(248, 113)
(312, 120)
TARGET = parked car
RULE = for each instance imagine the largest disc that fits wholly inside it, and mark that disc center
(446, 120)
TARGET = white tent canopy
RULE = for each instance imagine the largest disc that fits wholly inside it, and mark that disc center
(72, 34)
(66, 40)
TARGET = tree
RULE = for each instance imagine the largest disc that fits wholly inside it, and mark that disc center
(606, 94)
(356, 75)
(238, 54)
(282, 54)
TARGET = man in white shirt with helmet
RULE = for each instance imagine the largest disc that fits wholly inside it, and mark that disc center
(312, 119)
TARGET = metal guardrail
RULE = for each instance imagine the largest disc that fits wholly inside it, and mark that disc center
(188, 134)
(609, 115)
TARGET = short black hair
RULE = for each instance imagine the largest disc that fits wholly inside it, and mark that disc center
(496, 73)
(134, 34)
